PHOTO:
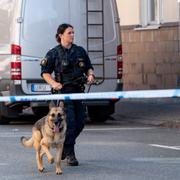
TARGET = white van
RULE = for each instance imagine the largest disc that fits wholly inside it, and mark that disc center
(27, 32)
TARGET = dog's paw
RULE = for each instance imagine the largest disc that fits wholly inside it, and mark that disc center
(51, 160)
(58, 171)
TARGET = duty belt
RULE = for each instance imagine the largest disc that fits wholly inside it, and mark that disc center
(71, 85)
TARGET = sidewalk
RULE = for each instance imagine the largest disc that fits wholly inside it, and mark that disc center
(158, 112)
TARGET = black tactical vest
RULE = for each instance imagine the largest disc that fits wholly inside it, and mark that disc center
(69, 69)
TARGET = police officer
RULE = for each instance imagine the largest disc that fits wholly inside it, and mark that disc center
(70, 64)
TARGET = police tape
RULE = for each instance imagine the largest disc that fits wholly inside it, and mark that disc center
(169, 93)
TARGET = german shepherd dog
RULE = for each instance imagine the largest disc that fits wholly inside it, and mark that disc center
(48, 132)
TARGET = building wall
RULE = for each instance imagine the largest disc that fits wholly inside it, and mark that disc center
(151, 56)
(170, 11)
(128, 11)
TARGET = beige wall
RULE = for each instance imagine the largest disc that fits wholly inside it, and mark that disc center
(151, 57)
(128, 11)
(170, 10)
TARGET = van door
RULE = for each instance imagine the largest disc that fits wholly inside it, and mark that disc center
(40, 21)
(9, 12)
(97, 30)
(103, 25)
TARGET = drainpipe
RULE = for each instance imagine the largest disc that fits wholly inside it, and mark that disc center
(179, 23)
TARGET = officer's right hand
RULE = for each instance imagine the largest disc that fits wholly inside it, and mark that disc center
(56, 86)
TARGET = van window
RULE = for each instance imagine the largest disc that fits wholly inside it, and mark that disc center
(6, 15)
(41, 17)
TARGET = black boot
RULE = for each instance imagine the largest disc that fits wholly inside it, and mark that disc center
(71, 160)
(69, 155)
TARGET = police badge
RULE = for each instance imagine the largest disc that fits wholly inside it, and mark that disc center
(44, 62)
(81, 63)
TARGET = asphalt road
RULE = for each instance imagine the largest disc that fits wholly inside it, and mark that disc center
(131, 145)
(109, 151)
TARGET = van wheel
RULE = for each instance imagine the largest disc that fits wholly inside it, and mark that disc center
(98, 113)
(3, 119)
(98, 119)
(40, 111)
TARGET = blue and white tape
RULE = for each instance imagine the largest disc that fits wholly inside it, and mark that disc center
(169, 93)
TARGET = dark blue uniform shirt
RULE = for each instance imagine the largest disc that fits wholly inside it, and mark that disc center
(68, 65)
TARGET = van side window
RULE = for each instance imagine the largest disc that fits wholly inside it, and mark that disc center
(40, 22)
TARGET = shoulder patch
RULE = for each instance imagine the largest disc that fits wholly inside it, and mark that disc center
(44, 62)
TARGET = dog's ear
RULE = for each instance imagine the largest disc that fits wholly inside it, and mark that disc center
(51, 104)
(61, 104)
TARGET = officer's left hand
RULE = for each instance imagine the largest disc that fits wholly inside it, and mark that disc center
(90, 79)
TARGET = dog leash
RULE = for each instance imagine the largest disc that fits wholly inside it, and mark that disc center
(82, 79)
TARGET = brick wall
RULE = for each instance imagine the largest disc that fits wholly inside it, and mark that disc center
(151, 58)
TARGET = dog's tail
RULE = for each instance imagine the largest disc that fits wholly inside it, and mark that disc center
(27, 142)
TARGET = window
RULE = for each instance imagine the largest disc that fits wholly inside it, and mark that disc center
(38, 24)
(151, 12)
(7, 9)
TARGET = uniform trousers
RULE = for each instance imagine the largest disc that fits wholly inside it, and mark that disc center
(75, 117)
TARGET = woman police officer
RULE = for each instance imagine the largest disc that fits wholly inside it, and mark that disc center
(70, 64)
